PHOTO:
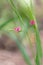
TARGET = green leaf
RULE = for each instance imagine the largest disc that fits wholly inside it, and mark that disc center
(20, 46)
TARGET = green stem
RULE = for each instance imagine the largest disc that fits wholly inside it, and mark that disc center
(37, 60)
(38, 43)
(5, 23)
(15, 10)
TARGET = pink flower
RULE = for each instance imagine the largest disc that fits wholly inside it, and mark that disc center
(32, 22)
(17, 29)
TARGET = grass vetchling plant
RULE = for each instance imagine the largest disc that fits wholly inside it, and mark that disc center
(27, 20)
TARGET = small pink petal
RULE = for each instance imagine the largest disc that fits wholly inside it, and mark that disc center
(32, 22)
(17, 29)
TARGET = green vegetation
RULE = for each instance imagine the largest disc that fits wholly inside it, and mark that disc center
(19, 13)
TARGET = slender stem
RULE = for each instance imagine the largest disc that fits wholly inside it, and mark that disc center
(5, 23)
(38, 43)
(15, 10)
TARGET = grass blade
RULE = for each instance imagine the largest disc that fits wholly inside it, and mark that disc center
(22, 49)
(5, 23)
(38, 43)
(37, 60)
